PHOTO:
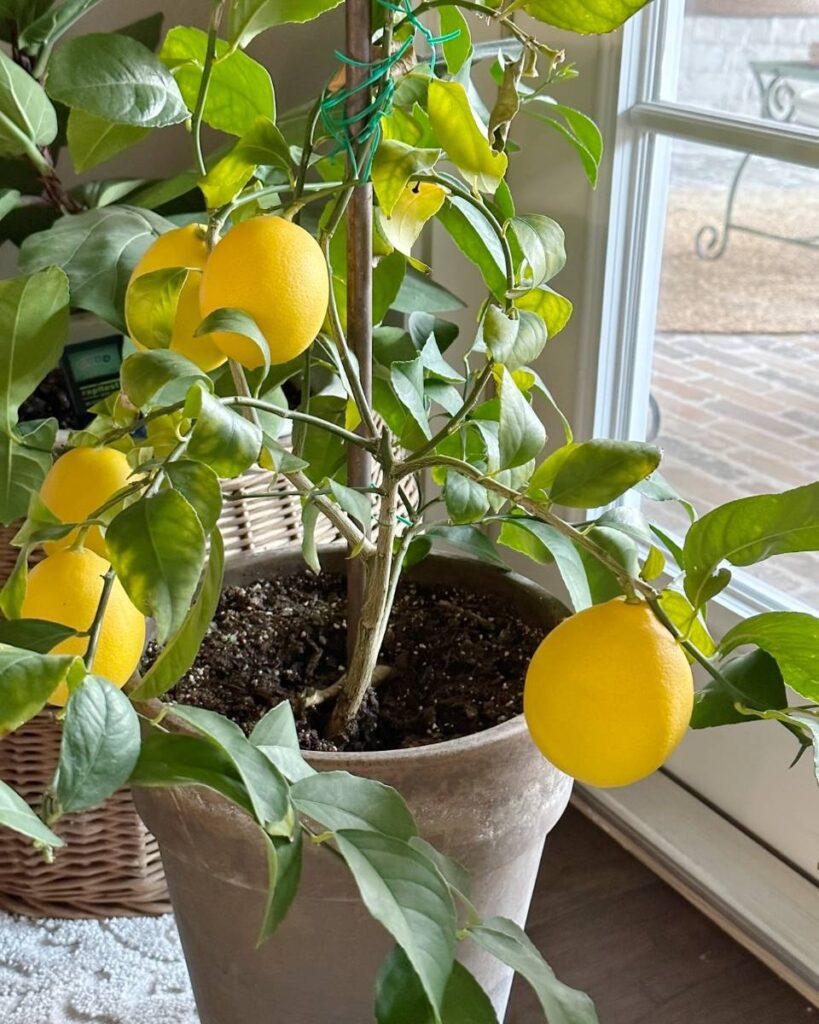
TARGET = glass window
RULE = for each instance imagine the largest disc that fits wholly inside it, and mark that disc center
(734, 398)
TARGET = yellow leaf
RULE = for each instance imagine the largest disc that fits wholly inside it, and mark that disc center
(552, 308)
(463, 138)
(416, 205)
(394, 164)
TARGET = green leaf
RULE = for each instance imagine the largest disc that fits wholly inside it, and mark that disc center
(470, 540)
(544, 544)
(173, 759)
(457, 51)
(578, 130)
(653, 565)
(657, 488)
(514, 343)
(508, 942)
(584, 16)
(145, 374)
(53, 23)
(393, 166)
(27, 117)
(521, 435)
(792, 638)
(262, 143)
(749, 530)
(598, 471)
(553, 309)
(98, 250)
(275, 735)
(538, 248)
(22, 470)
(151, 304)
(146, 30)
(416, 205)
(755, 676)
(240, 89)
(338, 800)
(419, 294)
(221, 437)
(400, 998)
(16, 814)
(355, 503)
(309, 550)
(157, 547)
(466, 501)
(36, 635)
(115, 78)
(236, 321)
(284, 862)
(99, 746)
(250, 17)
(9, 198)
(805, 721)
(27, 680)
(265, 785)
(407, 379)
(406, 894)
(179, 654)
(474, 236)
(92, 140)
(463, 138)
(200, 485)
(603, 584)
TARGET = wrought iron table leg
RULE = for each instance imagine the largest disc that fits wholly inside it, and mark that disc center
(711, 241)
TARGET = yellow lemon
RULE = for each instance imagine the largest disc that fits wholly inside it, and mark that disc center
(183, 247)
(66, 588)
(79, 483)
(274, 271)
(608, 694)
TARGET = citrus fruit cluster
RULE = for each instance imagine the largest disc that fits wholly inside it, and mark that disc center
(267, 267)
(608, 694)
(66, 586)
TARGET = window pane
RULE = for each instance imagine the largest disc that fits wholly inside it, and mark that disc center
(735, 380)
(755, 58)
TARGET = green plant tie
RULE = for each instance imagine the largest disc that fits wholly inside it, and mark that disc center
(351, 130)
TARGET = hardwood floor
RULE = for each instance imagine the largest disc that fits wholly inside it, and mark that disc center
(609, 926)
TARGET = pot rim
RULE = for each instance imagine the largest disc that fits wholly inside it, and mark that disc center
(495, 734)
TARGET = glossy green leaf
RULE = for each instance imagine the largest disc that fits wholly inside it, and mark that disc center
(200, 485)
(466, 500)
(236, 321)
(16, 814)
(407, 379)
(598, 471)
(553, 309)
(265, 785)
(747, 531)
(24, 463)
(538, 246)
(116, 78)
(521, 435)
(275, 735)
(157, 547)
(146, 30)
(9, 198)
(98, 250)
(27, 680)
(463, 138)
(175, 759)
(151, 303)
(474, 236)
(239, 91)
(250, 17)
(145, 374)
(469, 540)
(262, 144)
(792, 638)
(27, 117)
(457, 51)
(355, 503)
(405, 893)
(420, 294)
(603, 584)
(544, 544)
(54, 22)
(338, 800)
(92, 140)
(754, 681)
(584, 16)
(36, 635)
(400, 998)
(578, 130)
(284, 863)
(393, 166)
(222, 438)
(514, 343)
(657, 488)
(99, 746)
(508, 942)
(180, 652)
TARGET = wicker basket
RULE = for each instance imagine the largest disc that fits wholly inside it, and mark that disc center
(110, 866)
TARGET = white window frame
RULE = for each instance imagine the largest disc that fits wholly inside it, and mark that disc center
(644, 127)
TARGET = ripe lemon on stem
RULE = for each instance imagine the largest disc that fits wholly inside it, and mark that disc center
(66, 588)
(183, 247)
(608, 694)
(275, 272)
(79, 483)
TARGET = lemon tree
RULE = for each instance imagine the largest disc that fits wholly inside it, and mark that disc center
(249, 271)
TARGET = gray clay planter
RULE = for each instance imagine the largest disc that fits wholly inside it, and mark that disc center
(488, 800)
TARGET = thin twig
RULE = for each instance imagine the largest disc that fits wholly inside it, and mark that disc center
(204, 83)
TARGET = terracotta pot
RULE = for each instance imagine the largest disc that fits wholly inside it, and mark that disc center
(488, 800)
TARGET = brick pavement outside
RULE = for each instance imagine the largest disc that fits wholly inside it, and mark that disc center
(739, 415)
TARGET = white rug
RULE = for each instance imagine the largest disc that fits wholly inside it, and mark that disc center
(118, 971)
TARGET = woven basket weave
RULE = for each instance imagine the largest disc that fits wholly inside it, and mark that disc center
(110, 865)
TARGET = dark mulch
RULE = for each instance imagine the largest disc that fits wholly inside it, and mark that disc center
(457, 660)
